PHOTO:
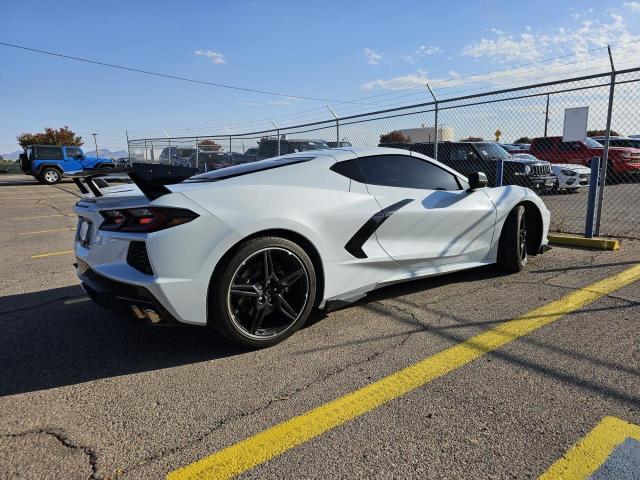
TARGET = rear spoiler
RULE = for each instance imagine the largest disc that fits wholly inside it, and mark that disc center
(150, 178)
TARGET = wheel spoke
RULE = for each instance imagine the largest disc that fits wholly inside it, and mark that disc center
(258, 317)
(269, 271)
(286, 309)
(245, 290)
(292, 278)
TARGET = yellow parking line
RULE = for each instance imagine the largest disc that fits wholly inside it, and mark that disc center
(38, 198)
(588, 455)
(48, 231)
(40, 216)
(284, 436)
(42, 255)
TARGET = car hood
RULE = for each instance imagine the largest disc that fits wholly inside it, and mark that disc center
(570, 166)
(526, 161)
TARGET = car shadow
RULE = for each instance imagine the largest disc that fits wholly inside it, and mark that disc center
(54, 338)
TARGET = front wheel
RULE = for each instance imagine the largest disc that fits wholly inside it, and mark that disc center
(512, 247)
(50, 176)
(264, 293)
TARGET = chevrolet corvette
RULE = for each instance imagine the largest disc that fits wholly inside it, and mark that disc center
(252, 249)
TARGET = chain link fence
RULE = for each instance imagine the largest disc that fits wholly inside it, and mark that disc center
(513, 135)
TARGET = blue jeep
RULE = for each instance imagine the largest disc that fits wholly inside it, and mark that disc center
(49, 162)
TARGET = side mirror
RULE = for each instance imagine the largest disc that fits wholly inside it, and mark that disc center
(476, 180)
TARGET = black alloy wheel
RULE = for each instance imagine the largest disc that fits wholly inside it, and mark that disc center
(266, 293)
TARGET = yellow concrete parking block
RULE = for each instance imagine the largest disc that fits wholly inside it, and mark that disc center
(51, 254)
(275, 441)
(48, 231)
(578, 241)
(590, 453)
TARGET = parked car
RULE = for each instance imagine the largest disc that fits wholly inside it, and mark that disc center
(342, 143)
(569, 176)
(468, 157)
(252, 151)
(123, 162)
(268, 147)
(619, 141)
(176, 155)
(48, 163)
(515, 147)
(268, 242)
(622, 160)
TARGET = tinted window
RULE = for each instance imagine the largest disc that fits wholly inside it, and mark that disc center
(401, 171)
(462, 152)
(73, 152)
(492, 151)
(50, 153)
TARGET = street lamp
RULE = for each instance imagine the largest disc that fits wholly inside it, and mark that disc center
(95, 142)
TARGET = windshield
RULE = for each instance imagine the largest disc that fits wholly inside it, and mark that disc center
(591, 143)
(491, 150)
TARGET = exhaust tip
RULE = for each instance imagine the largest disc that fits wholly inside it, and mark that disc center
(152, 315)
(137, 312)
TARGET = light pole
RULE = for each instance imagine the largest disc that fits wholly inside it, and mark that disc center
(95, 142)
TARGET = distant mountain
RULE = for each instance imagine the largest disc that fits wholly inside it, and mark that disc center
(106, 153)
(12, 156)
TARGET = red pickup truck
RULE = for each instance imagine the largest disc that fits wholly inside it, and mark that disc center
(622, 160)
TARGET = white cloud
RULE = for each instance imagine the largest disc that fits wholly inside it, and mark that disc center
(577, 40)
(372, 57)
(285, 101)
(505, 48)
(399, 83)
(586, 33)
(633, 6)
(215, 57)
(424, 50)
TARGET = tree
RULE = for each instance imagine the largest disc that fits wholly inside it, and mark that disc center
(51, 136)
(472, 139)
(523, 140)
(209, 146)
(601, 133)
(395, 137)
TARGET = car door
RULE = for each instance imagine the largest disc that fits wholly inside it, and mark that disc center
(73, 159)
(430, 218)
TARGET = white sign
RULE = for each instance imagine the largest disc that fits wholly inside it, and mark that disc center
(575, 124)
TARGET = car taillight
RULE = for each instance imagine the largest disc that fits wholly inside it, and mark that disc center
(149, 219)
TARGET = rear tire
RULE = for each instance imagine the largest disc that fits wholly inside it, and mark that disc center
(263, 293)
(512, 247)
(50, 176)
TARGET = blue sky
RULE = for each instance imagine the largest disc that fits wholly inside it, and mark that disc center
(329, 49)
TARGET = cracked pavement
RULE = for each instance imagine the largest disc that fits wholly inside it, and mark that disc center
(84, 394)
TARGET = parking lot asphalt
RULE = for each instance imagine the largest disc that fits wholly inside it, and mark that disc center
(84, 394)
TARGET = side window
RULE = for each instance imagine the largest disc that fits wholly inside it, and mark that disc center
(463, 153)
(49, 153)
(402, 171)
(73, 152)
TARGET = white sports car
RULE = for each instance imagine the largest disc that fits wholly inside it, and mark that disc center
(252, 249)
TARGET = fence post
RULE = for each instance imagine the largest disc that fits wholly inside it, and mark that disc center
(230, 152)
(337, 126)
(435, 122)
(593, 193)
(128, 146)
(499, 172)
(546, 117)
(277, 135)
(197, 154)
(605, 154)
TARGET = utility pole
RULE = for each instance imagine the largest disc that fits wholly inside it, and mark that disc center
(95, 142)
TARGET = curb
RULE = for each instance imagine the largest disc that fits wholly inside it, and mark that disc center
(576, 241)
